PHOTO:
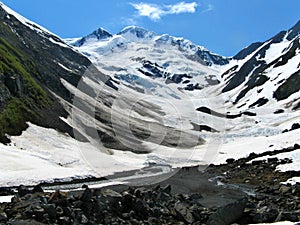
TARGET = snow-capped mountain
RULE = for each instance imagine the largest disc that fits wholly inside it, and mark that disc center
(266, 73)
(136, 54)
(136, 34)
(137, 98)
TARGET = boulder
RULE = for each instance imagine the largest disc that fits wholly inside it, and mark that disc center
(141, 208)
(229, 213)
(51, 211)
(183, 213)
(37, 189)
(23, 190)
(87, 195)
(3, 217)
(265, 215)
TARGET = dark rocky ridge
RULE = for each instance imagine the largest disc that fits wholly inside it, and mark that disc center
(247, 51)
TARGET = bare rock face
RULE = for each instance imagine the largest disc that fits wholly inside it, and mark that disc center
(14, 84)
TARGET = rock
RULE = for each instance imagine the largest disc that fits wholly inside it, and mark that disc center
(265, 215)
(108, 193)
(271, 160)
(157, 188)
(289, 216)
(295, 126)
(228, 214)
(138, 193)
(5, 191)
(37, 189)
(113, 200)
(100, 206)
(68, 212)
(154, 221)
(284, 189)
(252, 155)
(14, 85)
(23, 190)
(296, 189)
(3, 217)
(127, 201)
(230, 160)
(141, 208)
(257, 162)
(57, 196)
(39, 213)
(64, 220)
(84, 219)
(87, 194)
(183, 213)
(25, 222)
(279, 111)
(196, 197)
(167, 189)
(59, 211)
(51, 211)
(296, 146)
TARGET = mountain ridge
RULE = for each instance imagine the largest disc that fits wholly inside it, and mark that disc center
(139, 34)
(279, 53)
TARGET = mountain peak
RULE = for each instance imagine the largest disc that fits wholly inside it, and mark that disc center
(99, 34)
(139, 32)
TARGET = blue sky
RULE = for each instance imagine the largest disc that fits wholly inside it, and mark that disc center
(222, 26)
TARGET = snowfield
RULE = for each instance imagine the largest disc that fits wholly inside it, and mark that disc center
(41, 154)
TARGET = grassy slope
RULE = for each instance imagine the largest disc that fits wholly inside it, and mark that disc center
(18, 109)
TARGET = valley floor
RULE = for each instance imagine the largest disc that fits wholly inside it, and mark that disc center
(212, 178)
(45, 155)
(244, 191)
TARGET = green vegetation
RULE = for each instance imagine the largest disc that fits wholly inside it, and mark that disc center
(13, 118)
(11, 63)
(24, 106)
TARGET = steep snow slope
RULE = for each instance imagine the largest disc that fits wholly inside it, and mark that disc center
(268, 76)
